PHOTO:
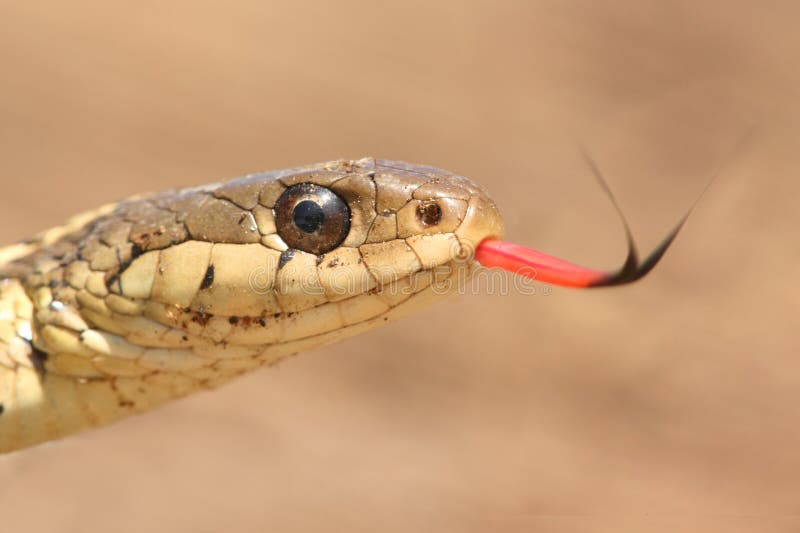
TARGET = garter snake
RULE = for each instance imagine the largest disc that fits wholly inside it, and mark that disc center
(147, 300)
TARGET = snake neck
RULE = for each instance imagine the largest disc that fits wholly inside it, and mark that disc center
(17, 262)
(16, 349)
(16, 310)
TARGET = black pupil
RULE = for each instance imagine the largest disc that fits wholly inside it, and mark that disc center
(308, 216)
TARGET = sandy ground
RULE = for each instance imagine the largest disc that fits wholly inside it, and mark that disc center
(671, 405)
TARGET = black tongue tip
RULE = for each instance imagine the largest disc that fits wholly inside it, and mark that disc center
(634, 270)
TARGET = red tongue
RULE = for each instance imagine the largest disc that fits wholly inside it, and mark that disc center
(536, 265)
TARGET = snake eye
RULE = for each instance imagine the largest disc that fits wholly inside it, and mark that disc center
(312, 218)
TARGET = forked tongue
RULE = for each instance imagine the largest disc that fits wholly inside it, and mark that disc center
(548, 269)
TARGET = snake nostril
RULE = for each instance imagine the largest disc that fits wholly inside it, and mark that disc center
(429, 213)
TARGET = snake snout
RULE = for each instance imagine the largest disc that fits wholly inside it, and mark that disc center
(482, 221)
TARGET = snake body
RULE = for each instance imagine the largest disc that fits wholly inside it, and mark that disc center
(147, 300)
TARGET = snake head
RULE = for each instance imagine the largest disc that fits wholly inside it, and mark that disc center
(235, 274)
(247, 271)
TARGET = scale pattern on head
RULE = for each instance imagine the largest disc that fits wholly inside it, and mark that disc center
(157, 296)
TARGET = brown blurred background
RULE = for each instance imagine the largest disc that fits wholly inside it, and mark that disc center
(671, 405)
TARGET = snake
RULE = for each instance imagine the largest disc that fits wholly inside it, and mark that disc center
(149, 299)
